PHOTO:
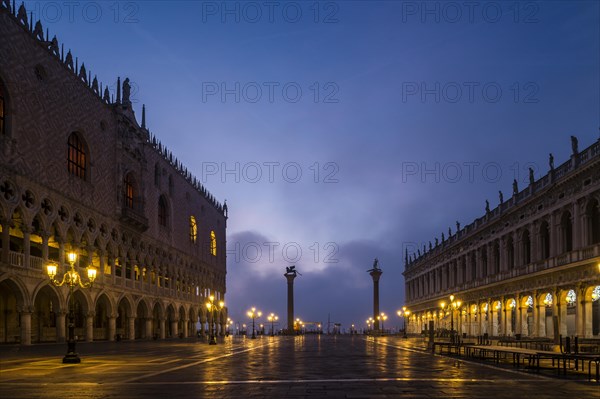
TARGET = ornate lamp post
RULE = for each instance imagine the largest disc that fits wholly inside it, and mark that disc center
(272, 318)
(382, 317)
(254, 314)
(453, 306)
(229, 324)
(214, 309)
(72, 279)
(404, 313)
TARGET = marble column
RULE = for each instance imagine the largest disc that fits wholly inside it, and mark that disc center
(163, 332)
(89, 327)
(131, 329)
(112, 327)
(148, 330)
(25, 327)
(61, 318)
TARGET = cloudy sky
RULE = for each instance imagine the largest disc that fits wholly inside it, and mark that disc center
(343, 131)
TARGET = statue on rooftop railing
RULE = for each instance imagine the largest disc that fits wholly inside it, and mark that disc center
(487, 206)
(515, 187)
(574, 145)
(531, 178)
(457, 226)
(500, 196)
(551, 161)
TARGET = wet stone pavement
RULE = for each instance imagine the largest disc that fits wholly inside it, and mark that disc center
(273, 367)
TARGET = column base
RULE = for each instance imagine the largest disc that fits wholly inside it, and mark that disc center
(71, 358)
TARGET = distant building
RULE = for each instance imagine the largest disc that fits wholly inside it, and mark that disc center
(531, 266)
(79, 173)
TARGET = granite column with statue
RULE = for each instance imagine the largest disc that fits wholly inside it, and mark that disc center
(375, 273)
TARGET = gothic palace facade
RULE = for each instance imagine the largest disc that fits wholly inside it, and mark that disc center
(531, 266)
(79, 174)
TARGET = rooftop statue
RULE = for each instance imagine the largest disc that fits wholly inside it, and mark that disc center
(291, 270)
(375, 266)
(574, 145)
(531, 178)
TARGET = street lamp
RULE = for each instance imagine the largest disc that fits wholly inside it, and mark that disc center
(214, 309)
(404, 313)
(229, 324)
(253, 314)
(370, 323)
(272, 318)
(72, 279)
(452, 306)
(382, 316)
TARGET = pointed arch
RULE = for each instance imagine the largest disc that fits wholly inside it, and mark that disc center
(163, 211)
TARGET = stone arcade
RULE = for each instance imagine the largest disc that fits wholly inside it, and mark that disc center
(531, 266)
(79, 174)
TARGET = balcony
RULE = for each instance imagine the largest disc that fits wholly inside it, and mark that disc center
(135, 216)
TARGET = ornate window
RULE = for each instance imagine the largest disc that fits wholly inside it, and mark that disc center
(129, 184)
(193, 229)
(77, 156)
(545, 240)
(593, 218)
(2, 111)
(526, 247)
(567, 232)
(510, 252)
(213, 244)
(163, 211)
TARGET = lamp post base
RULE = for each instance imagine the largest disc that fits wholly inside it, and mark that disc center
(71, 358)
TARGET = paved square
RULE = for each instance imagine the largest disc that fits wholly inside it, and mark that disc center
(304, 366)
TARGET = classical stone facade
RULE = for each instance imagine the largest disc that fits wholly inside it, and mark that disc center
(530, 266)
(79, 174)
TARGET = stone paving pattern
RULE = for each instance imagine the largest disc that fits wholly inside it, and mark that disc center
(274, 367)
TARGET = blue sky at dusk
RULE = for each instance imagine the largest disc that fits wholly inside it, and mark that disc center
(346, 129)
